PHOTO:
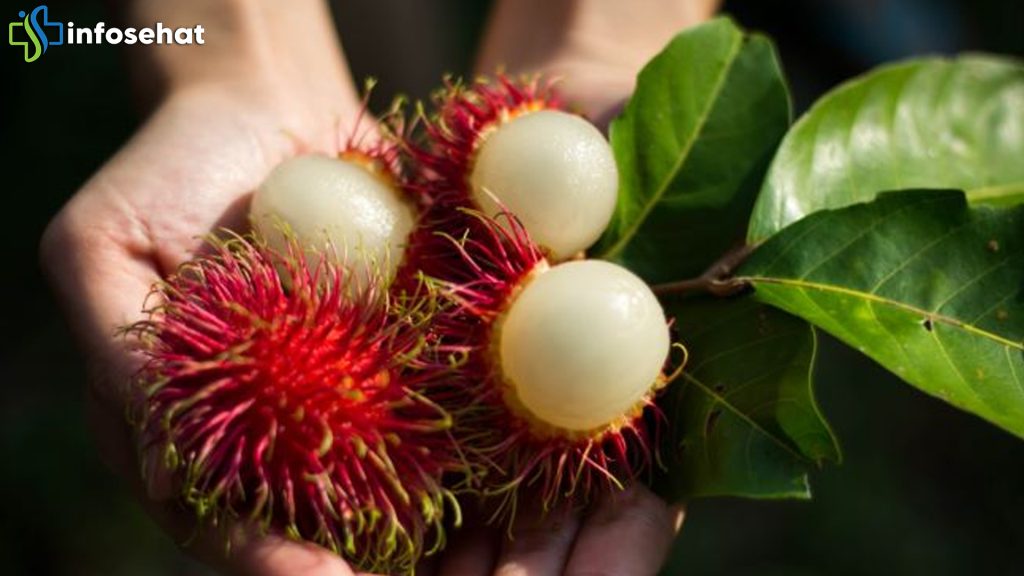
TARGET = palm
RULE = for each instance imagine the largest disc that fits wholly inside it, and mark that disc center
(190, 169)
(188, 172)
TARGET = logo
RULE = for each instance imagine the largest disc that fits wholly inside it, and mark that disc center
(30, 32)
(34, 33)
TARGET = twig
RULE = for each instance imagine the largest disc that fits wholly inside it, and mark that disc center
(717, 280)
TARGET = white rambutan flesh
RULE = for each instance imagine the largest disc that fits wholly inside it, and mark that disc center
(555, 171)
(582, 345)
(335, 204)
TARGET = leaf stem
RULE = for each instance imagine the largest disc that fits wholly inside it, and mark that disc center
(717, 280)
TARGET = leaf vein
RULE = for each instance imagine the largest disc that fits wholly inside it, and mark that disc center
(917, 254)
(974, 281)
(1013, 370)
(684, 154)
(739, 348)
(742, 416)
(808, 285)
(864, 232)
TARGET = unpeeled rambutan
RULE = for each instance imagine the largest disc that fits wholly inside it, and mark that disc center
(276, 395)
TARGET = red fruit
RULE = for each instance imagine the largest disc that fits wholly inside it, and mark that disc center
(276, 394)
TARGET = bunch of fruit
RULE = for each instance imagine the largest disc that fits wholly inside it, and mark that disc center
(411, 321)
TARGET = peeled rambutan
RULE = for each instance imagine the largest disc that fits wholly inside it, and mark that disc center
(274, 394)
(353, 204)
(510, 145)
(561, 365)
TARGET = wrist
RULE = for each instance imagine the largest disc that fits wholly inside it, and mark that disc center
(596, 46)
(267, 44)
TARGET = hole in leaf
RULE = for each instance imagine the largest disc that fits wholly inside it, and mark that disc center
(927, 324)
(709, 424)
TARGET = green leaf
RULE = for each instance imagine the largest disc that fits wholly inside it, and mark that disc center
(931, 123)
(743, 417)
(929, 287)
(692, 146)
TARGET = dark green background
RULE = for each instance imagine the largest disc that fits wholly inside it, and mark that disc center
(924, 489)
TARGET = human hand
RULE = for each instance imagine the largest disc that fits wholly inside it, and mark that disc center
(188, 171)
(221, 124)
(596, 47)
(628, 533)
(228, 112)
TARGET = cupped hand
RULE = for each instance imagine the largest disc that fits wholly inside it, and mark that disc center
(190, 169)
(594, 47)
(627, 533)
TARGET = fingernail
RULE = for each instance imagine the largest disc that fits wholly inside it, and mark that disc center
(678, 515)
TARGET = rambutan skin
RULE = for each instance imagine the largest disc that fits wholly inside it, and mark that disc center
(462, 117)
(275, 394)
(352, 205)
(479, 263)
(480, 275)
(441, 147)
(509, 144)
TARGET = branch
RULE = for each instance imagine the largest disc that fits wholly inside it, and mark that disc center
(717, 280)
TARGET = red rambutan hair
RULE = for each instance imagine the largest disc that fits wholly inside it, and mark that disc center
(462, 118)
(442, 146)
(275, 393)
(509, 450)
(479, 264)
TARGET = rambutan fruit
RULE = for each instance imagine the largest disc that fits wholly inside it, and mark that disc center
(353, 203)
(509, 145)
(273, 394)
(581, 346)
(561, 367)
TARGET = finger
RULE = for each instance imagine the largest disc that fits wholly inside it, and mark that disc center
(427, 566)
(277, 556)
(471, 551)
(540, 543)
(101, 283)
(112, 367)
(243, 549)
(627, 534)
(568, 40)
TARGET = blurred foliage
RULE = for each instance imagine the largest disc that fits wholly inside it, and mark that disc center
(923, 489)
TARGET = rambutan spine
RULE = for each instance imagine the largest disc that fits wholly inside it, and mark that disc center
(509, 144)
(496, 261)
(274, 394)
(462, 116)
(354, 202)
